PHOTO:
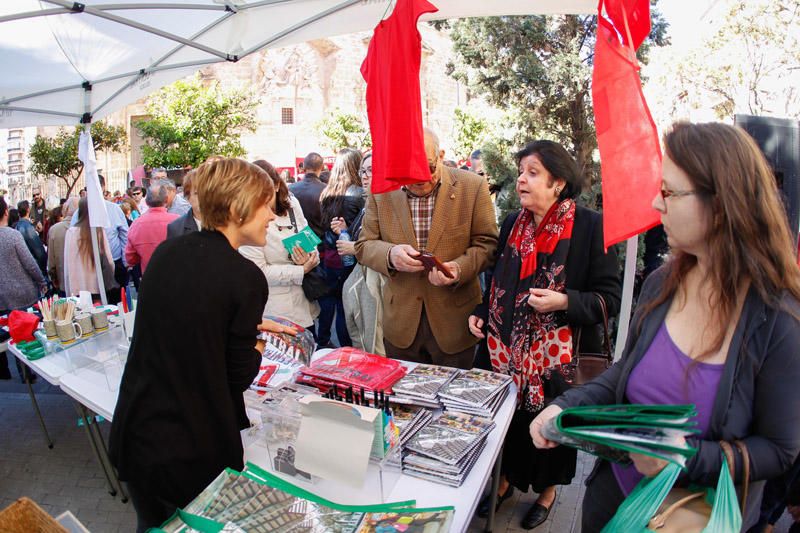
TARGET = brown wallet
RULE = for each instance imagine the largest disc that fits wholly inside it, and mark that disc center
(429, 261)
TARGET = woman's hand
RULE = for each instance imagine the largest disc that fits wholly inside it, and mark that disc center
(345, 247)
(299, 256)
(338, 225)
(476, 326)
(547, 301)
(311, 262)
(538, 423)
(270, 326)
(648, 466)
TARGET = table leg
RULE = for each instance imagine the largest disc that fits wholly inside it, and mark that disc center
(495, 489)
(104, 454)
(82, 412)
(26, 376)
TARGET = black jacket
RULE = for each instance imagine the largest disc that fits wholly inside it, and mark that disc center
(589, 270)
(758, 400)
(180, 408)
(182, 225)
(307, 193)
(34, 243)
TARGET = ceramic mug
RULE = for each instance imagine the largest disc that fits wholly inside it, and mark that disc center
(50, 329)
(67, 331)
(85, 322)
(99, 319)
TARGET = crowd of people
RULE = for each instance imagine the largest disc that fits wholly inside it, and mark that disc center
(426, 274)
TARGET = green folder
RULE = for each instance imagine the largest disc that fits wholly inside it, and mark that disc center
(615, 431)
(306, 238)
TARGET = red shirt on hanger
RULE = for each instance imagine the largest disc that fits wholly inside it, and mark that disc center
(394, 105)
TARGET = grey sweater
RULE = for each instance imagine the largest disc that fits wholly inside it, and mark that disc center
(20, 277)
(758, 400)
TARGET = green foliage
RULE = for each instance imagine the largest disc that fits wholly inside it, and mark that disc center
(190, 122)
(344, 130)
(470, 132)
(748, 65)
(539, 69)
(58, 156)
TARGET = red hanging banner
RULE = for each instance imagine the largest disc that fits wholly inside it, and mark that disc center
(630, 156)
(633, 13)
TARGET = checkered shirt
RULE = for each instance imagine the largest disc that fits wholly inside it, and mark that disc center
(421, 214)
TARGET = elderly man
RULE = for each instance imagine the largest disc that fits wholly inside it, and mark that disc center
(150, 229)
(117, 235)
(190, 222)
(55, 245)
(452, 217)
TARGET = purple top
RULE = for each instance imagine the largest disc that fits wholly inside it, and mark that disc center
(660, 378)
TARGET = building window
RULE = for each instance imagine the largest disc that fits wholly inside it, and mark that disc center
(287, 115)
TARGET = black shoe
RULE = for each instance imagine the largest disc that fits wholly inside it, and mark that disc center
(483, 506)
(536, 515)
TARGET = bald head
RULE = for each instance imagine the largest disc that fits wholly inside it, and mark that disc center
(431, 144)
(70, 206)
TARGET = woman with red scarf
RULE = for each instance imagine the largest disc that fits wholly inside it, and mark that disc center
(550, 272)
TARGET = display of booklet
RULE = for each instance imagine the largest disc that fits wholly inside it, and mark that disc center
(478, 392)
(450, 437)
(256, 501)
(424, 381)
(352, 367)
(409, 420)
(306, 238)
(438, 472)
(615, 431)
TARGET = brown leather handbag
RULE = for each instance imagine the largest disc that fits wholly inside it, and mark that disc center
(688, 512)
(588, 366)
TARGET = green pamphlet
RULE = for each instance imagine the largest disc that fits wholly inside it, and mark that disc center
(306, 238)
(615, 431)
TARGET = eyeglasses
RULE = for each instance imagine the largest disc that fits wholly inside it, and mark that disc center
(137, 193)
(365, 172)
(667, 193)
(432, 167)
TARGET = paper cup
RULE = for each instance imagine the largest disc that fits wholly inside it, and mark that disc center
(85, 300)
(128, 323)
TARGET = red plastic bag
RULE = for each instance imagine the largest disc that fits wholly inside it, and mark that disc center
(21, 326)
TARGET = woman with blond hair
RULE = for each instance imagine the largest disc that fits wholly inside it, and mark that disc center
(195, 349)
(340, 202)
(716, 326)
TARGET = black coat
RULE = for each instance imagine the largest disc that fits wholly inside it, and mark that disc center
(589, 270)
(307, 193)
(758, 400)
(182, 225)
(180, 408)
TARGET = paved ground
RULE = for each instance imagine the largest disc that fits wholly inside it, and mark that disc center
(69, 478)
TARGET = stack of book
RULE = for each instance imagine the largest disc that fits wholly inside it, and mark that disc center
(615, 431)
(409, 419)
(446, 449)
(422, 384)
(475, 392)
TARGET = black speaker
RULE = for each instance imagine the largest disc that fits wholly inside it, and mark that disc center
(779, 139)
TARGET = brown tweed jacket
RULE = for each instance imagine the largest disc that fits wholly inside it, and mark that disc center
(463, 229)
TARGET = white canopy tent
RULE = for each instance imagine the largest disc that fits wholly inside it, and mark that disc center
(67, 61)
(76, 62)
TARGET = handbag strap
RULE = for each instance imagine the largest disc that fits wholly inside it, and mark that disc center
(660, 520)
(294, 220)
(727, 449)
(606, 337)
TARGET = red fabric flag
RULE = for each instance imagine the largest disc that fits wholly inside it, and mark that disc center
(394, 105)
(637, 13)
(630, 155)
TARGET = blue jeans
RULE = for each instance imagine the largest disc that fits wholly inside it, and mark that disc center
(328, 307)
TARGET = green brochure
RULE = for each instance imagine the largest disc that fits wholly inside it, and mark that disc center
(306, 238)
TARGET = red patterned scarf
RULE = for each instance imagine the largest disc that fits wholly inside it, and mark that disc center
(522, 342)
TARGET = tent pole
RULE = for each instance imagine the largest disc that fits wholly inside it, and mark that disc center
(631, 250)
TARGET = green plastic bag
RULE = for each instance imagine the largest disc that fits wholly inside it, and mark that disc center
(645, 499)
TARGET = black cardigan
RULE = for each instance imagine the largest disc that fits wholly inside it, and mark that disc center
(589, 270)
(180, 408)
(758, 400)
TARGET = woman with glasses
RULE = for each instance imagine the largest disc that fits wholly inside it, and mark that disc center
(716, 326)
(551, 273)
(340, 203)
(285, 272)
